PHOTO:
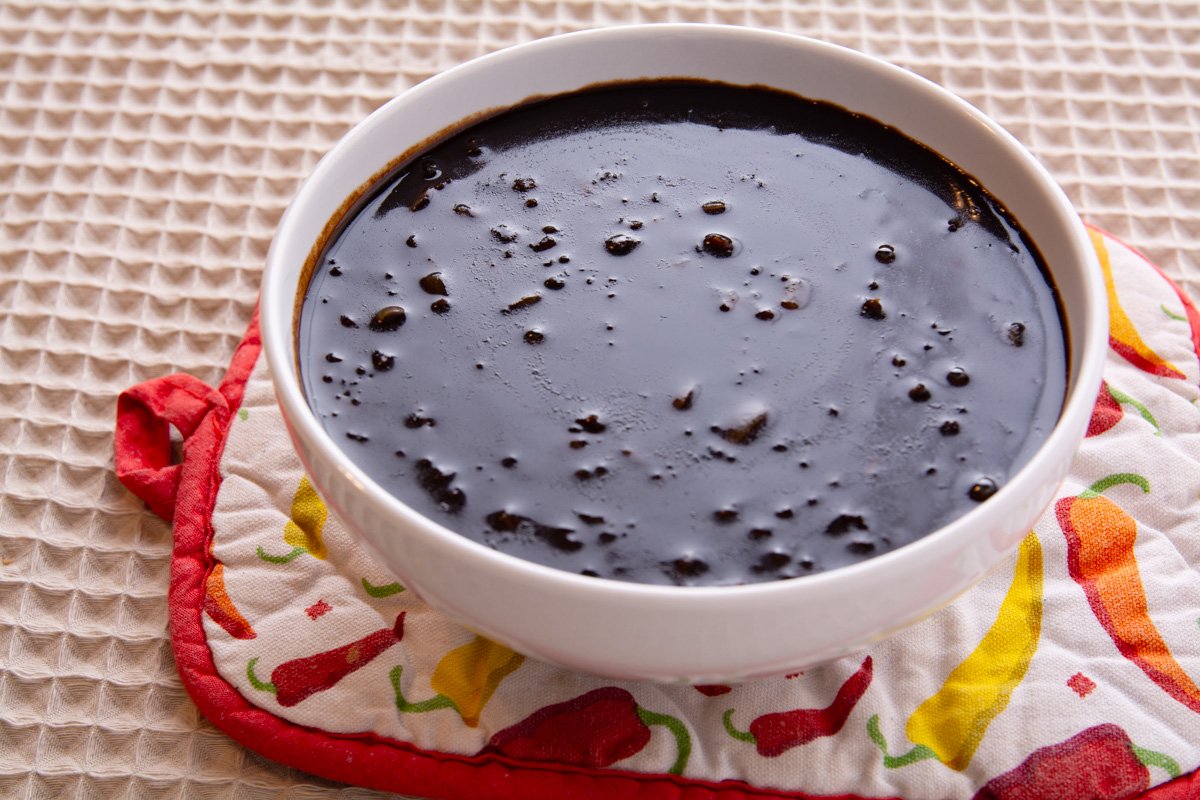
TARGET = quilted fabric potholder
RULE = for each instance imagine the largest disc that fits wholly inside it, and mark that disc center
(1070, 672)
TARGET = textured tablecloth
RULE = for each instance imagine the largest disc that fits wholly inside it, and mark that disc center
(146, 153)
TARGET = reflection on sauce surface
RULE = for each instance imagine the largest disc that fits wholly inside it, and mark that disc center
(678, 332)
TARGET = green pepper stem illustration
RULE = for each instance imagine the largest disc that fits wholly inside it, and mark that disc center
(262, 686)
(432, 704)
(919, 752)
(265, 556)
(1171, 313)
(683, 740)
(741, 736)
(384, 590)
(1153, 758)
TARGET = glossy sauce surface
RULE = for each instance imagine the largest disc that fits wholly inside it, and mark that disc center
(678, 332)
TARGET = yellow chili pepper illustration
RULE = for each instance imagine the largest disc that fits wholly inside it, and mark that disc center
(950, 725)
(303, 530)
(464, 679)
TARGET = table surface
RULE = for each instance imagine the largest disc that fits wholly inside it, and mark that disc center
(147, 151)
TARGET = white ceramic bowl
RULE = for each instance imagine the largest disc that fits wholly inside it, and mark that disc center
(688, 633)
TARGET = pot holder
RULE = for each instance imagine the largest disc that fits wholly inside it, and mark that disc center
(1070, 672)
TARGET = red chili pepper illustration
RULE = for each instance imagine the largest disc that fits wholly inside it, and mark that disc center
(593, 730)
(713, 689)
(1108, 412)
(775, 734)
(1100, 539)
(220, 607)
(295, 680)
(1099, 763)
(1105, 414)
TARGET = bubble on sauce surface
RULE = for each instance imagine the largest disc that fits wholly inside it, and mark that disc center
(684, 401)
(717, 244)
(438, 485)
(919, 393)
(504, 234)
(382, 361)
(388, 318)
(524, 302)
(621, 244)
(982, 489)
(958, 377)
(591, 424)
(433, 283)
(771, 561)
(686, 567)
(745, 432)
(561, 539)
(1016, 334)
(872, 308)
(844, 523)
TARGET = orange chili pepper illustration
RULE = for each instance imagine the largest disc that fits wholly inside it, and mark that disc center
(1100, 557)
(220, 607)
(1122, 335)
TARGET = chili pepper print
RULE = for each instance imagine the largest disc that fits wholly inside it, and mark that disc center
(300, 678)
(713, 689)
(775, 734)
(303, 530)
(1122, 335)
(950, 725)
(1100, 558)
(594, 730)
(220, 607)
(1108, 412)
(1099, 763)
(465, 679)
(1105, 414)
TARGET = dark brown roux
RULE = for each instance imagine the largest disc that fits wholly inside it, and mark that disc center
(678, 332)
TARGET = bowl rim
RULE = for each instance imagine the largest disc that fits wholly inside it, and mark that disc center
(279, 293)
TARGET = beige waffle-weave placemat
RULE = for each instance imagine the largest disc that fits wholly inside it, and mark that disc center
(146, 153)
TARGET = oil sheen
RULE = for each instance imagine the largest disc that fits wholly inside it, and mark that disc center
(683, 333)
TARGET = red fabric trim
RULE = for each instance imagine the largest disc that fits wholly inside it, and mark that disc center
(1185, 787)
(142, 440)
(364, 759)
